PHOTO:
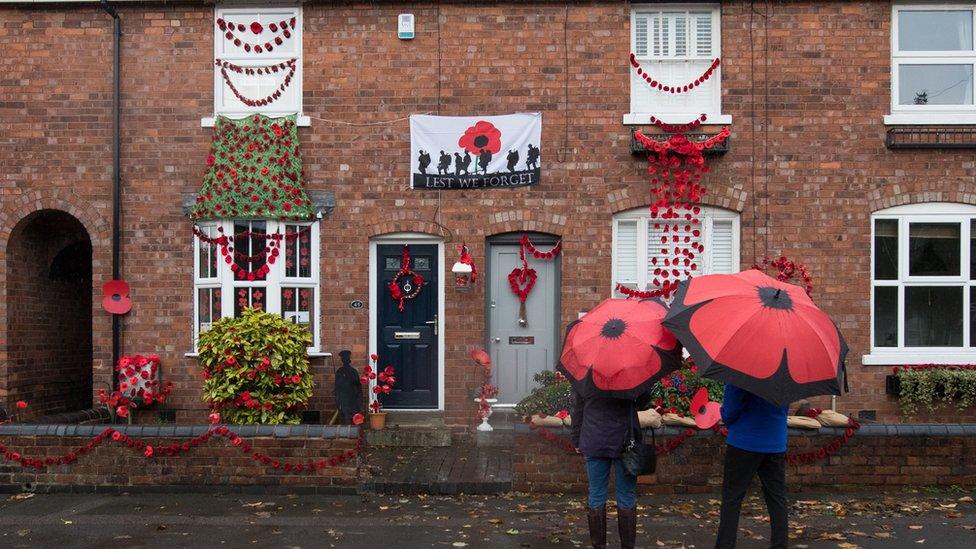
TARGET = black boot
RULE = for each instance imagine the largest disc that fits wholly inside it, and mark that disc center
(596, 517)
(627, 527)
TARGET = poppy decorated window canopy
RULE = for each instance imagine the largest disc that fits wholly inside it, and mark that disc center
(254, 171)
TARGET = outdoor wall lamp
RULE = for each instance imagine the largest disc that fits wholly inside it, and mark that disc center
(462, 277)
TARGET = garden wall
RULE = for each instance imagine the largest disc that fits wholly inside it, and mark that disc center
(214, 465)
(882, 456)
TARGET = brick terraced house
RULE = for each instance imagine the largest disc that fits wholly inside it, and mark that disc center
(851, 150)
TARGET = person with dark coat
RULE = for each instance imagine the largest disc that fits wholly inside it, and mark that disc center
(756, 444)
(601, 429)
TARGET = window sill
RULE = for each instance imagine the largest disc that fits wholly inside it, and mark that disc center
(208, 121)
(900, 357)
(930, 119)
(643, 119)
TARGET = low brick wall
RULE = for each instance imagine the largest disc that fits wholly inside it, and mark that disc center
(216, 465)
(878, 456)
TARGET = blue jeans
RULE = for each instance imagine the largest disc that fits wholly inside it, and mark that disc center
(598, 474)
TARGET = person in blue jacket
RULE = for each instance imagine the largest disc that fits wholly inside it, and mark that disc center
(756, 444)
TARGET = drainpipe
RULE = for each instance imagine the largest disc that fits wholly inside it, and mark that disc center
(116, 174)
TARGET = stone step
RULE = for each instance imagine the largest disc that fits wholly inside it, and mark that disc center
(409, 436)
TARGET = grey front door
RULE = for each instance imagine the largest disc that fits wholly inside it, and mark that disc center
(520, 352)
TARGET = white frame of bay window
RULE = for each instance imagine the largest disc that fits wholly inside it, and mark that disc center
(273, 282)
(641, 111)
(264, 58)
(643, 218)
(930, 114)
(932, 212)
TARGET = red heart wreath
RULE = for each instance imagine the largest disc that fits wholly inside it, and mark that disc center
(522, 280)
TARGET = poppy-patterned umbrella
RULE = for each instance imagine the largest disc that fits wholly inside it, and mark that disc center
(619, 349)
(759, 334)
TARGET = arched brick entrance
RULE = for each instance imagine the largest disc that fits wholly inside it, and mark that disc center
(49, 304)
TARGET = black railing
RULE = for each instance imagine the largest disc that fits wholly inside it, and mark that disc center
(930, 137)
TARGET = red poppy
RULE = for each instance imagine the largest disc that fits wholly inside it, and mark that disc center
(481, 136)
(116, 297)
(562, 414)
(374, 357)
(122, 411)
(21, 404)
(481, 357)
(706, 413)
(357, 419)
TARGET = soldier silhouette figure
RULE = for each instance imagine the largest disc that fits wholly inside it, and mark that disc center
(348, 389)
(513, 158)
(457, 164)
(532, 159)
(465, 164)
(444, 164)
(484, 158)
(424, 160)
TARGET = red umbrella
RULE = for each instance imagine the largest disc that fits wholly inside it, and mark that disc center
(619, 349)
(760, 334)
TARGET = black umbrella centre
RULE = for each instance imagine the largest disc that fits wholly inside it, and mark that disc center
(775, 298)
(613, 328)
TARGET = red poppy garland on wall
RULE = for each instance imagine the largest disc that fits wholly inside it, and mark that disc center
(289, 66)
(406, 284)
(679, 88)
(522, 279)
(254, 171)
(676, 167)
(241, 263)
(230, 31)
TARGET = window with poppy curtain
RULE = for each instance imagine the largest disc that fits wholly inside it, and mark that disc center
(933, 55)
(923, 285)
(258, 60)
(636, 243)
(271, 265)
(675, 45)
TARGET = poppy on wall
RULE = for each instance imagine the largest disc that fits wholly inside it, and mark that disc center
(116, 297)
(481, 136)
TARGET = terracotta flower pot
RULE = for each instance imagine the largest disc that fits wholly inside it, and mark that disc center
(377, 421)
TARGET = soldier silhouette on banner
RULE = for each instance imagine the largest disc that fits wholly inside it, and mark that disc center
(513, 158)
(532, 159)
(424, 160)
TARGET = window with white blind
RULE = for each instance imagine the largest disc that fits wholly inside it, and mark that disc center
(675, 44)
(258, 61)
(636, 243)
(270, 265)
(923, 298)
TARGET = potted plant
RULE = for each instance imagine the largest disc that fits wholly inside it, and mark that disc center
(382, 383)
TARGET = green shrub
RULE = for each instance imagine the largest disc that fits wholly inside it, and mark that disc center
(551, 396)
(932, 388)
(255, 368)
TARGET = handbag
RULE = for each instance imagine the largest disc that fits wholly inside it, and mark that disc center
(639, 458)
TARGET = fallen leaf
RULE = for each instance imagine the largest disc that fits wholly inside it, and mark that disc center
(915, 526)
(512, 531)
(27, 495)
(921, 541)
(965, 499)
(459, 544)
(495, 521)
(67, 521)
(882, 535)
(845, 545)
(23, 533)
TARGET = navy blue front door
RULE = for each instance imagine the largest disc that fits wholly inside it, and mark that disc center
(408, 339)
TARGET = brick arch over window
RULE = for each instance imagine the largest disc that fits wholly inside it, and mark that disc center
(407, 226)
(727, 198)
(934, 190)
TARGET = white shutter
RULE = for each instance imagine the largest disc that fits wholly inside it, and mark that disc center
(640, 35)
(654, 247)
(720, 247)
(625, 252)
(680, 21)
(659, 36)
(703, 34)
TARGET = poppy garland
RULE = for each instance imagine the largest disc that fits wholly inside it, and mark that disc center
(266, 256)
(402, 292)
(522, 279)
(256, 28)
(289, 65)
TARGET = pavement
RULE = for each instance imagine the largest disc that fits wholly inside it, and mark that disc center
(945, 519)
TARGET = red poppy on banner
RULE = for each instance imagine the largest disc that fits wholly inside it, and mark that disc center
(481, 136)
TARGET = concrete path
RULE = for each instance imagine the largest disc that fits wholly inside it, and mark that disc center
(945, 520)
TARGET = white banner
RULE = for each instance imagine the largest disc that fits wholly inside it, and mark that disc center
(475, 152)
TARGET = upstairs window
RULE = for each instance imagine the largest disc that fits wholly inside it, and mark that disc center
(933, 55)
(675, 46)
(636, 243)
(258, 61)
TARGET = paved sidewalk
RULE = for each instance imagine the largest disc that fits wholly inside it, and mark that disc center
(910, 520)
(457, 469)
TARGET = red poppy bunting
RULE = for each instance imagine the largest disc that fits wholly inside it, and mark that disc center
(760, 334)
(232, 31)
(670, 88)
(289, 66)
(619, 349)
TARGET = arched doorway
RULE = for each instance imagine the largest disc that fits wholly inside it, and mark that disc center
(49, 323)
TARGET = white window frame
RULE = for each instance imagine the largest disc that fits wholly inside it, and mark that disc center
(642, 215)
(929, 114)
(939, 212)
(273, 282)
(640, 114)
(263, 58)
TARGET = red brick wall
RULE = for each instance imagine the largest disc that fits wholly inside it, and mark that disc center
(807, 84)
(214, 464)
(696, 465)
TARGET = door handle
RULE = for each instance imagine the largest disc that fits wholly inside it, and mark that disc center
(434, 323)
(498, 340)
